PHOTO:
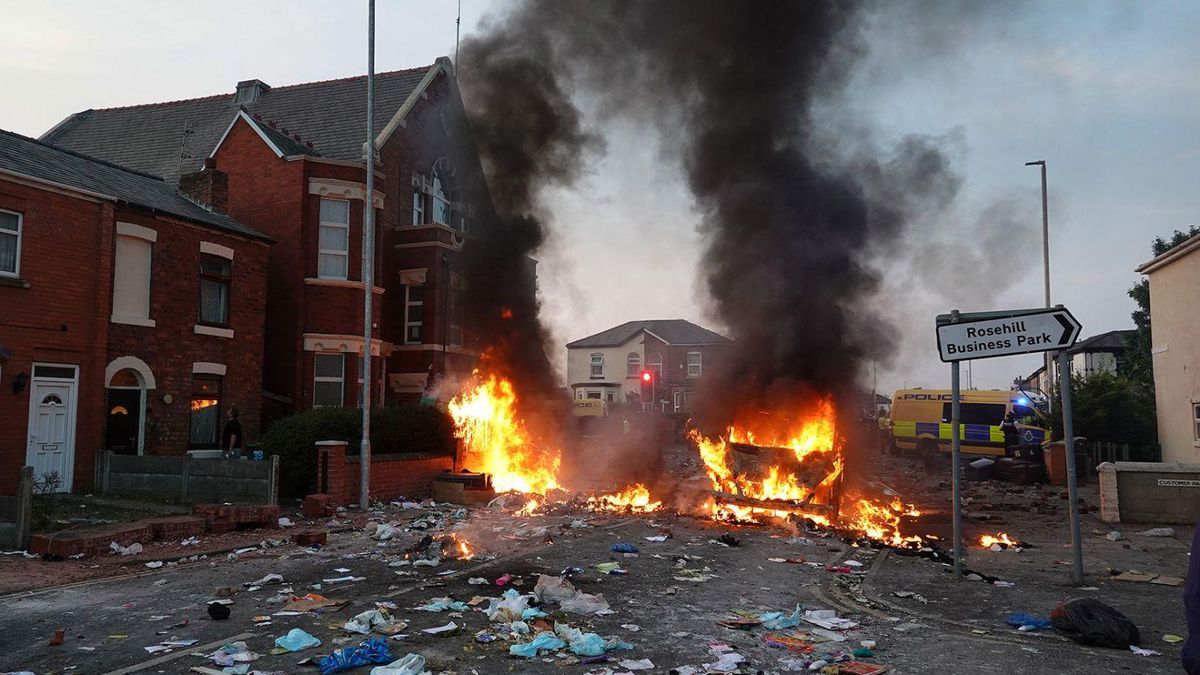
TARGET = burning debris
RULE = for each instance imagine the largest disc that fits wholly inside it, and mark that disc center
(635, 499)
(1000, 541)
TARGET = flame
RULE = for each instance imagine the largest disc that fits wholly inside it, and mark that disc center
(635, 499)
(459, 547)
(529, 509)
(1002, 538)
(495, 441)
(202, 403)
(881, 522)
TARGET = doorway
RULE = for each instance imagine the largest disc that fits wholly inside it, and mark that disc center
(123, 426)
(53, 398)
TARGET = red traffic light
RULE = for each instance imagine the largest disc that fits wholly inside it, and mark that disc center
(647, 376)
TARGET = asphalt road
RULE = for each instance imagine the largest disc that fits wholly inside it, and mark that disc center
(108, 624)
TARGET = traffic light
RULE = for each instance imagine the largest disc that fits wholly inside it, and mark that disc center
(647, 379)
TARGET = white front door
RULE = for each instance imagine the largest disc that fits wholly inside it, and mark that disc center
(51, 450)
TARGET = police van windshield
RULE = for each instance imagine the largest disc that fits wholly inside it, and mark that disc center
(1028, 416)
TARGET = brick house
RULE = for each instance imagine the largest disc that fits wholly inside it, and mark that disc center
(607, 365)
(131, 317)
(292, 158)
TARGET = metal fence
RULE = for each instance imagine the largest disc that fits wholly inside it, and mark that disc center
(187, 479)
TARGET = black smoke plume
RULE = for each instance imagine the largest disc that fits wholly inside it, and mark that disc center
(731, 90)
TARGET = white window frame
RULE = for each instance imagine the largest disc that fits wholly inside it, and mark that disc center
(655, 366)
(418, 207)
(597, 365)
(16, 273)
(436, 183)
(633, 365)
(340, 380)
(409, 303)
(327, 251)
(1196, 422)
(676, 401)
(699, 365)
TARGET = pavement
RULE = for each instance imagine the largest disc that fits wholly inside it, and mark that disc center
(108, 623)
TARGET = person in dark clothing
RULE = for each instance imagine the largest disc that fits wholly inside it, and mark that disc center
(1012, 435)
(231, 436)
(1191, 608)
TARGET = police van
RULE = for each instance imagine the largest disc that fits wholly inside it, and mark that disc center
(920, 420)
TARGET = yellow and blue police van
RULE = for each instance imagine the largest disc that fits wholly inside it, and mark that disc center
(920, 420)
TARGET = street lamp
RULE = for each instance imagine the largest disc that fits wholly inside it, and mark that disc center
(1045, 263)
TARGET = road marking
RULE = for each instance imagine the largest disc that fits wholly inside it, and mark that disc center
(180, 654)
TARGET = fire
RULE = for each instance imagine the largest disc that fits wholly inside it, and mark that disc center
(529, 509)
(495, 440)
(458, 547)
(882, 522)
(1002, 538)
(635, 499)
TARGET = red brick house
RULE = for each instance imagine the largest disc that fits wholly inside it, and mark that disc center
(608, 365)
(131, 317)
(292, 158)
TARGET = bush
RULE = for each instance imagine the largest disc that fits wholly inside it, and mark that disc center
(393, 430)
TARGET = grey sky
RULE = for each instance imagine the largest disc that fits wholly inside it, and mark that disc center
(1107, 92)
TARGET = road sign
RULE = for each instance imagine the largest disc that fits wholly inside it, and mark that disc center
(984, 335)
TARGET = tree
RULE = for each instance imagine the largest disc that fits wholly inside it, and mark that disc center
(1137, 364)
(1112, 409)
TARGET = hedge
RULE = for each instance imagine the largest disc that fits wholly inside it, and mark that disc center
(402, 429)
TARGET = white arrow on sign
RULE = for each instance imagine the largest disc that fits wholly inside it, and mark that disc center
(986, 335)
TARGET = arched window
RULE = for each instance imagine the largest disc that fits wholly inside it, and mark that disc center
(439, 195)
(126, 378)
(633, 364)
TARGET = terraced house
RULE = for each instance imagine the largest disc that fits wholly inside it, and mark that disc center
(288, 161)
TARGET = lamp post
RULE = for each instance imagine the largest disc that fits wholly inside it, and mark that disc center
(368, 269)
(1045, 269)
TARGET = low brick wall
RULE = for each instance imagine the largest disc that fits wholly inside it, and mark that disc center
(1149, 492)
(189, 479)
(392, 475)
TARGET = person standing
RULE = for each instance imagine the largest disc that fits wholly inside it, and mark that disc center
(1012, 435)
(1191, 608)
(231, 436)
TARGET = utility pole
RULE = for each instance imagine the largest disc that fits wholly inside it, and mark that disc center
(1049, 360)
(368, 268)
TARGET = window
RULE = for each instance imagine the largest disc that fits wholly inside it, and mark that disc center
(414, 313)
(206, 411)
(611, 397)
(333, 254)
(594, 395)
(597, 365)
(215, 274)
(633, 364)
(418, 208)
(654, 364)
(329, 377)
(1196, 421)
(991, 414)
(10, 243)
(440, 199)
(131, 280)
(456, 311)
(693, 364)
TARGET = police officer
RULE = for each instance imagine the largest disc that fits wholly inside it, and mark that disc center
(1012, 435)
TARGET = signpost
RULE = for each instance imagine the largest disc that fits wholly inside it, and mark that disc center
(985, 335)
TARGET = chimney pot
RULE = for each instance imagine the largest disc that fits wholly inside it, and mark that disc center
(249, 91)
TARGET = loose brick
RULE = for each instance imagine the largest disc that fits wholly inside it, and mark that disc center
(317, 506)
(177, 527)
(311, 537)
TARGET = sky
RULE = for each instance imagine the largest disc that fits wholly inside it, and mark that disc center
(1108, 93)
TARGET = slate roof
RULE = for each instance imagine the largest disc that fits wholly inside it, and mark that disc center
(1113, 340)
(149, 137)
(672, 331)
(34, 158)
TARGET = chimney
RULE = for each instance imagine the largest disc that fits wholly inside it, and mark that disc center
(249, 91)
(207, 187)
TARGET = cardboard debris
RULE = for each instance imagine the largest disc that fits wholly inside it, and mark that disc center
(311, 602)
(1137, 577)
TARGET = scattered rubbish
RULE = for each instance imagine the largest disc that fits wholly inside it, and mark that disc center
(58, 638)
(909, 594)
(1091, 622)
(631, 627)
(639, 664)
(504, 579)
(448, 628)
(284, 521)
(740, 623)
(792, 561)
(729, 540)
(818, 665)
(1164, 580)
(1143, 652)
(296, 640)
(854, 563)
(569, 599)
(869, 644)
(371, 650)
(154, 564)
(659, 538)
(1173, 639)
(611, 568)
(218, 611)
(544, 641)
(232, 654)
(132, 549)
(409, 664)
(267, 580)
(780, 620)
(1025, 621)
(860, 668)
(863, 653)
(828, 618)
(587, 644)
(787, 641)
(1158, 532)
(477, 581)
(624, 548)
(337, 580)
(311, 602)
(1151, 577)
(383, 532)
(508, 607)
(364, 622)
(1114, 536)
(442, 605)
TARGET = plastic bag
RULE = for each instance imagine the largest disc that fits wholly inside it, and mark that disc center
(296, 640)
(1091, 622)
(442, 605)
(372, 650)
(543, 641)
(1021, 619)
(779, 620)
(409, 664)
(510, 606)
